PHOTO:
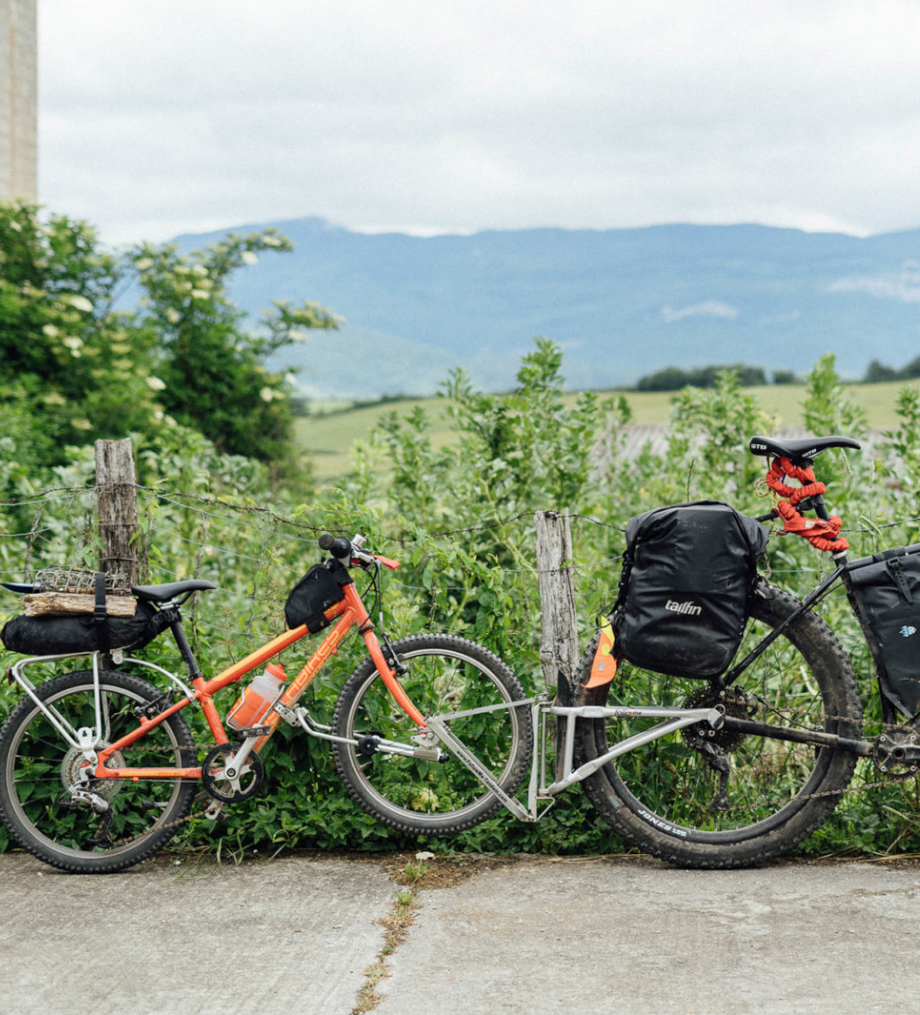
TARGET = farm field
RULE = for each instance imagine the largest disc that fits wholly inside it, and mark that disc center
(330, 435)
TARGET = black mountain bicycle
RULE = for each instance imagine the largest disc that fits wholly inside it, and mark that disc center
(775, 768)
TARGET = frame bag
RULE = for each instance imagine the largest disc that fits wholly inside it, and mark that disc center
(688, 575)
(318, 590)
(886, 594)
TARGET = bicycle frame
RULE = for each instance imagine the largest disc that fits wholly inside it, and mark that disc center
(566, 775)
(349, 613)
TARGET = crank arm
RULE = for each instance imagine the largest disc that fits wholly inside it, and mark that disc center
(862, 748)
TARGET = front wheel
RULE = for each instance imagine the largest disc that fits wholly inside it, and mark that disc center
(108, 824)
(718, 799)
(445, 675)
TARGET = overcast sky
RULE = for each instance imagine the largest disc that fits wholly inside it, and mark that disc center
(165, 116)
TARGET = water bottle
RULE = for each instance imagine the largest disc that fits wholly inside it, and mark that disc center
(254, 702)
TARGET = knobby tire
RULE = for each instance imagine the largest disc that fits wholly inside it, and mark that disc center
(37, 765)
(446, 674)
(660, 798)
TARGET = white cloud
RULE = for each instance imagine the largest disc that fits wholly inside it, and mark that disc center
(469, 114)
(710, 308)
(902, 286)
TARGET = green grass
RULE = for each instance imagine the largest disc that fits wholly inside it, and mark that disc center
(330, 436)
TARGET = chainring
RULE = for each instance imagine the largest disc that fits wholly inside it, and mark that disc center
(226, 788)
(731, 702)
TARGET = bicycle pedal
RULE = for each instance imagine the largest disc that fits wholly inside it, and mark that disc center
(254, 731)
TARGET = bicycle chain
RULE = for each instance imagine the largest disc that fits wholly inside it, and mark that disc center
(794, 716)
(162, 828)
(179, 821)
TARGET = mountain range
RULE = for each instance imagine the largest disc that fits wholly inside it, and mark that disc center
(622, 303)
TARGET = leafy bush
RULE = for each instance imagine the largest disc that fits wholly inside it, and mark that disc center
(75, 368)
(460, 520)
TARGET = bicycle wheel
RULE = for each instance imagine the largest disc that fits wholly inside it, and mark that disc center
(670, 799)
(446, 674)
(37, 767)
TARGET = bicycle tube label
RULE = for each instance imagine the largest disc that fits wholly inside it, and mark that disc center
(604, 666)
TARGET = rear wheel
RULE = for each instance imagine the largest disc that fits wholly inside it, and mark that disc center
(446, 674)
(110, 824)
(705, 798)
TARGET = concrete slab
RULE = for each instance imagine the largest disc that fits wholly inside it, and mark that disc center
(282, 938)
(623, 938)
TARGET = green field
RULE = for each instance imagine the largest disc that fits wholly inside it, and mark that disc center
(328, 437)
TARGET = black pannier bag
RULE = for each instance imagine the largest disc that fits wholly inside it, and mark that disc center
(82, 633)
(886, 593)
(688, 576)
(319, 589)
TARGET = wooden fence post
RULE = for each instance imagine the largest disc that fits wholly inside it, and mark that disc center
(558, 619)
(116, 498)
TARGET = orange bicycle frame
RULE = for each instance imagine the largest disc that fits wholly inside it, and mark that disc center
(351, 612)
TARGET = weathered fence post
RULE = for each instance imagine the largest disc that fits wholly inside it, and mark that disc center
(116, 498)
(559, 622)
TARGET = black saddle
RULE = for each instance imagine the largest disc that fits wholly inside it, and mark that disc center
(800, 450)
(163, 593)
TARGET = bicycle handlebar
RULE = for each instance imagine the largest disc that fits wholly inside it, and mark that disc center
(349, 551)
(338, 546)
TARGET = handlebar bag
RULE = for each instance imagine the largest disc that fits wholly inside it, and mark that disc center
(82, 633)
(688, 576)
(886, 595)
(319, 589)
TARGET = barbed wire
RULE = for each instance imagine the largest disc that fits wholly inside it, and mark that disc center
(269, 526)
(47, 495)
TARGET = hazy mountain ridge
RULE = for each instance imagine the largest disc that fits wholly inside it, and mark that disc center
(622, 303)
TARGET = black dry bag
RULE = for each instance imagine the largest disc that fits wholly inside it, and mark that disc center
(688, 575)
(886, 591)
(319, 589)
(82, 633)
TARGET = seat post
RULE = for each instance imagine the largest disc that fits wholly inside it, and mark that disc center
(185, 650)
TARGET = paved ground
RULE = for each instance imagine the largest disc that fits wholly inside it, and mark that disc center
(587, 936)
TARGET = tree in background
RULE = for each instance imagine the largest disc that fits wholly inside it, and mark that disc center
(70, 369)
(209, 369)
(675, 378)
(878, 371)
(74, 367)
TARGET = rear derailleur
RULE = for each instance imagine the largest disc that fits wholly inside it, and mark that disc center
(716, 745)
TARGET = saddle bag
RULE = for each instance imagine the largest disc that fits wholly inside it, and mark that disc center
(319, 589)
(81, 633)
(886, 594)
(688, 576)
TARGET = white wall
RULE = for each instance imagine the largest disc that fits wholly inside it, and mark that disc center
(18, 99)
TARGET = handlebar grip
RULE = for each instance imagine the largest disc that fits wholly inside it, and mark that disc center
(338, 546)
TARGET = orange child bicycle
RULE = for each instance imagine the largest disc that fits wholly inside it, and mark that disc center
(98, 768)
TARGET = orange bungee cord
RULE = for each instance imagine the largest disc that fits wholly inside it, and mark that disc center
(822, 534)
